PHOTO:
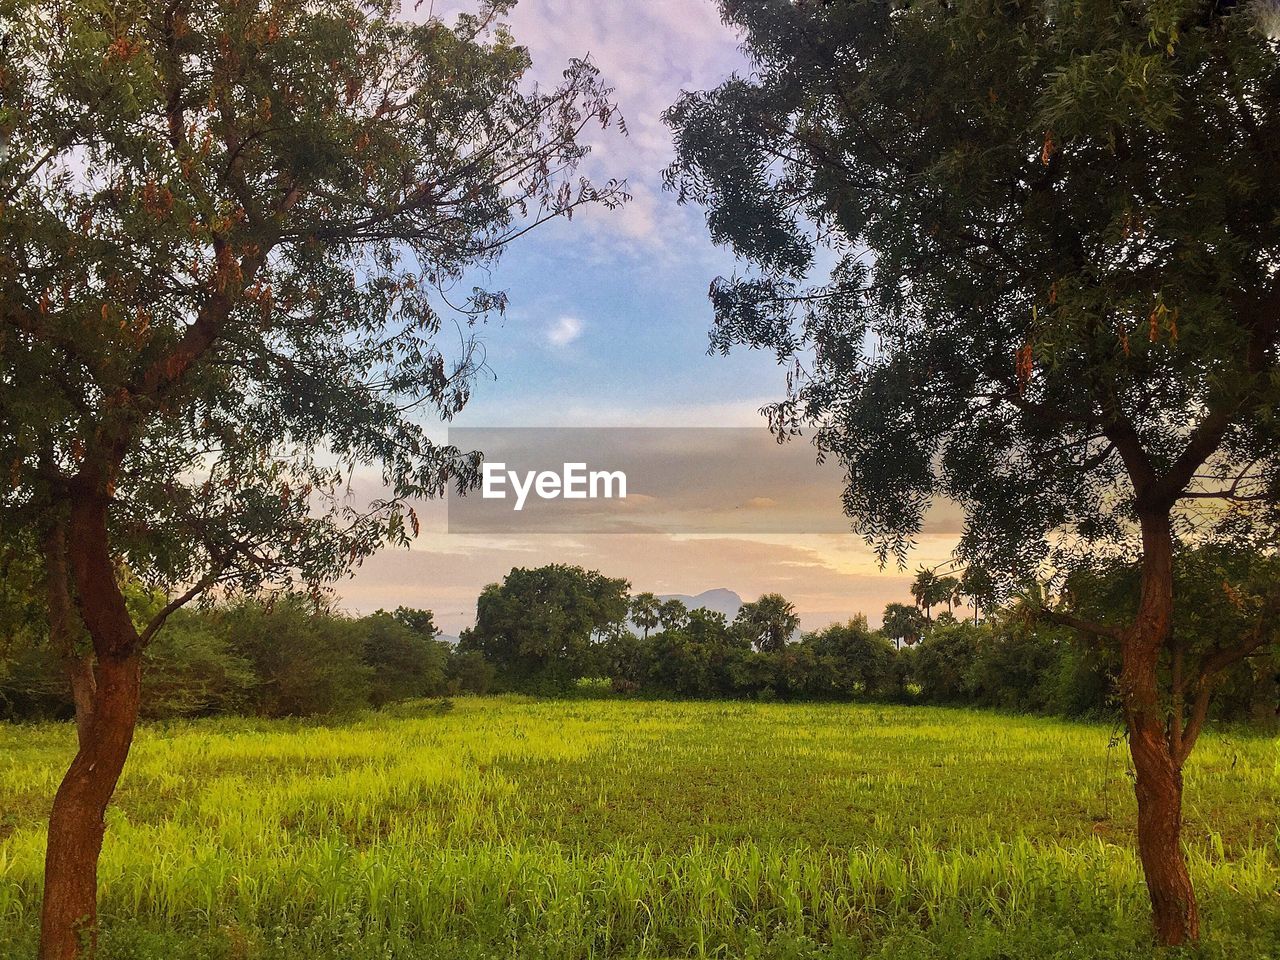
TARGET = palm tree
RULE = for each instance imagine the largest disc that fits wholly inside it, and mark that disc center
(902, 624)
(979, 586)
(769, 622)
(673, 614)
(646, 612)
(949, 590)
(927, 590)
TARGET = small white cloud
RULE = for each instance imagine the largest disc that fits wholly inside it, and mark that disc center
(564, 331)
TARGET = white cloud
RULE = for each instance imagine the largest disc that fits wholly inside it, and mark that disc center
(564, 331)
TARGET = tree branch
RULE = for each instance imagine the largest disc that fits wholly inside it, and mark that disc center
(201, 585)
(1263, 633)
(1061, 618)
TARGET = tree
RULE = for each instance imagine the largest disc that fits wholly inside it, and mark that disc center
(467, 671)
(673, 614)
(403, 654)
(929, 590)
(306, 659)
(944, 662)
(951, 587)
(192, 668)
(979, 586)
(30, 682)
(421, 622)
(852, 659)
(698, 657)
(924, 590)
(227, 233)
(768, 622)
(540, 625)
(902, 624)
(1221, 592)
(627, 661)
(646, 612)
(1068, 320)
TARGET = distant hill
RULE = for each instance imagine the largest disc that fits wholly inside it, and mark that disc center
(720, 600)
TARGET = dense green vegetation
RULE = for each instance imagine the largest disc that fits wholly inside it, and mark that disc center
(566, 829)
(546, 629)
(289, 657)
(1021, 255)
(235, 239)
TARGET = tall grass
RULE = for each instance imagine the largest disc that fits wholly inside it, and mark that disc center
(585, 829)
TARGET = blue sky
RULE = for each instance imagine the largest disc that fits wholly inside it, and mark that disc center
(609, 313)
(614, 337)
(607, 326)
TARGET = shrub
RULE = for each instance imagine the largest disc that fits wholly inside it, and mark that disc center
(851, 661)
(403, 655)
(467, 671)
(945, 659)
(307, 660)
(190, 669)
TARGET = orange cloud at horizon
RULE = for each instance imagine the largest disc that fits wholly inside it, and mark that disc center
(828, 577)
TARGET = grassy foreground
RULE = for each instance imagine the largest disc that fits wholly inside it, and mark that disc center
(508, 827)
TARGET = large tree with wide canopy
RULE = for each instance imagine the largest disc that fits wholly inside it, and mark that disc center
(235, 239)
(1049, 240)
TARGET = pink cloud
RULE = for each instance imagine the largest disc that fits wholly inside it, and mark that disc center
(648, 52)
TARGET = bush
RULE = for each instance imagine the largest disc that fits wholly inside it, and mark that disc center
(467, 671)
(1082, 683)
(33, 685)
(307, 660)
(403, 655)
(1013, 668)
(851, 661)
(190, 669)
(945, 660)
(626, 660)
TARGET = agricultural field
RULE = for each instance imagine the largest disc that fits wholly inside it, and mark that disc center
(512, 827)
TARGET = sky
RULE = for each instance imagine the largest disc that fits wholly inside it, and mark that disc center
(608, 327)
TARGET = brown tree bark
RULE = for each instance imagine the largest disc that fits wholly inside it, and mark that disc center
(1158, 772)
(1158, 785)
(78, 664)
(68, 920)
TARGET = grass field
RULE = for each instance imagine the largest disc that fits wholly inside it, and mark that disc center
(508, 827)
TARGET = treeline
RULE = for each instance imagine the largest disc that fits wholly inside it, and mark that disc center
(547, 630)
(287, 657)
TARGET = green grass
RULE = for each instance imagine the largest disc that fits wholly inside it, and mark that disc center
(509, 827)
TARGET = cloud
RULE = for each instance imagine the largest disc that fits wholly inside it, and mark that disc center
(648, 53)
(829, 579)
(564, 331)
(760, 503)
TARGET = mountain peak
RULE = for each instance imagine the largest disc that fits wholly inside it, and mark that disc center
(718, 599)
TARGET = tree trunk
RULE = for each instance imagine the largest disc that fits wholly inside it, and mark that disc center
(1158, 774)
(78, 664)
(84, 687)
(68, 919)
(1158, 786)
